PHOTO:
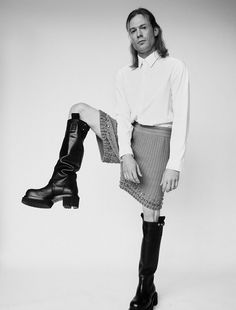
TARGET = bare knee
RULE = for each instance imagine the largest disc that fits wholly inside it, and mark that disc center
(80, 108)
(150, 215)
(89, 115)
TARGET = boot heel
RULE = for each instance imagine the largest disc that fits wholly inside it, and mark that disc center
(155, 299)
(71, 202)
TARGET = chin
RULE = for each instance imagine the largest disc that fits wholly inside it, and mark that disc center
(141, 49)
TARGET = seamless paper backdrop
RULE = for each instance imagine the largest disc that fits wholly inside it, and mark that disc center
(57, 53)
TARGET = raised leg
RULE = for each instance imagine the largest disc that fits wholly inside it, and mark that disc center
(62, 185)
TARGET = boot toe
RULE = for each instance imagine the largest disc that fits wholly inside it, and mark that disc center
(37, 198)
(144, 301)
(35, 194)
(31, 193)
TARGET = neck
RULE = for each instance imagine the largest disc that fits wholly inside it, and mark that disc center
(146, 54)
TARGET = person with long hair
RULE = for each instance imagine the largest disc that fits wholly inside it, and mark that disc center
(147, 138)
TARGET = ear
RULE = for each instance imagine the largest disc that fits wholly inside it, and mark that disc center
(156, 31)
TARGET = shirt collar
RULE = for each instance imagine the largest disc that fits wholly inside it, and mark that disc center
(149, 60)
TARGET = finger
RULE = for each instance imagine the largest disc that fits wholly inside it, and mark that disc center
(164, 187)
(126, 176)
(168, 186)
(135, 177)
(176, 183)
(123, 171)
(139, 171)
(162, 179)
(173, 185)
(130, 176)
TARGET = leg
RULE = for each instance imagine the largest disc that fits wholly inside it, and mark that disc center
(105, 129)
(150, 215)
(146, 296)
(63, 185)
(89, 115)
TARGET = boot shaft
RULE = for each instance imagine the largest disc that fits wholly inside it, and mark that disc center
(150, 248)
(72, 151)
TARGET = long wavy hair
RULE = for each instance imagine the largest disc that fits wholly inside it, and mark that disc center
(159, 42)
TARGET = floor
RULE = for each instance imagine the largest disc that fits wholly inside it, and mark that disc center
(60, 289)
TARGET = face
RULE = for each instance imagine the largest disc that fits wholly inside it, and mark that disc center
(142, 35)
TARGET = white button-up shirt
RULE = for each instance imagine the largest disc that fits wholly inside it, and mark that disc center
(156, 94)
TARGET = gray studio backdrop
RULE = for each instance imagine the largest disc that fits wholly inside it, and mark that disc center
(57, 53)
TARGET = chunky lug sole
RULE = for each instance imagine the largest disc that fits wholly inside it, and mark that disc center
(153, 303)
(68, 202)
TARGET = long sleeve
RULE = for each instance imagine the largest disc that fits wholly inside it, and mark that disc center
(180, 104)
(123, 117)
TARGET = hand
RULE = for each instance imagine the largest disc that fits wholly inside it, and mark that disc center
(130, 168)
(170, 180)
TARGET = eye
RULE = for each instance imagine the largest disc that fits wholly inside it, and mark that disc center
(132, 30)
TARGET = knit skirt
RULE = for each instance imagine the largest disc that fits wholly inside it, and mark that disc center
(151, 148)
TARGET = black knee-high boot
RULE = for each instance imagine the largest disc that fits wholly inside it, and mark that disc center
(146, 296)
(62, 185)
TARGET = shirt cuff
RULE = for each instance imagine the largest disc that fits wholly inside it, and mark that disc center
(124, 151)
(175, 165)
(121, 158)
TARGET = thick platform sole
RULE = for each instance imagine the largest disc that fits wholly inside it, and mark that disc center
(154, 302)
(44, 204)
(68, 202)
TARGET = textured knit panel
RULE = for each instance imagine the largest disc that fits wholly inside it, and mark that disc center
(151, 147)
(108, 145)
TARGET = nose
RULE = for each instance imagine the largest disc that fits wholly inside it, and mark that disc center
(139, 33)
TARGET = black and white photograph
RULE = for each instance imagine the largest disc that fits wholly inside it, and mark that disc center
(117, 155)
